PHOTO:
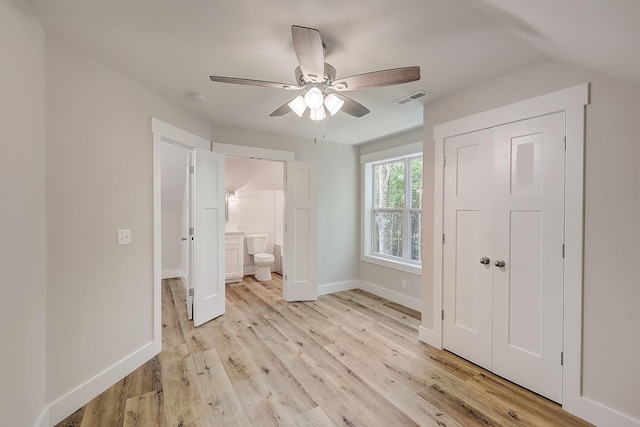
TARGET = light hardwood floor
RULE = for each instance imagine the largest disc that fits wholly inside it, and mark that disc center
(348, 359)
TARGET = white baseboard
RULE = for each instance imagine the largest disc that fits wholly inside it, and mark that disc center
(394, 296)
(380, 291)
(599, 414)
(429, 336)
(338, 287)
(170, 274)
(43, 419)
(81, 395)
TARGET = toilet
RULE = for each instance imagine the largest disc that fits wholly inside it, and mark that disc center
(257, 246)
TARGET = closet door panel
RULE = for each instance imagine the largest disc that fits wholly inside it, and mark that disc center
(528, 227)
(467, 224)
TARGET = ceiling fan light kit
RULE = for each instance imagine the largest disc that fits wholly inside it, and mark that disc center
(319, 81)
(317, 113)
(333, 103)
(314, 98)
(298, 105)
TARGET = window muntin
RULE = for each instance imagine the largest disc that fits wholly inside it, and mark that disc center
(396, 213)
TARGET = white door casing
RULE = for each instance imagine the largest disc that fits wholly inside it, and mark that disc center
(208, 237)
(301, 229)
(504, 193)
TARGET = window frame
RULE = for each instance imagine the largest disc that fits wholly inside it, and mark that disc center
(368, 161)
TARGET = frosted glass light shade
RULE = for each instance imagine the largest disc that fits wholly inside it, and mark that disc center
(317, 113)
(333, 103)
(298, 105)
(313, 98)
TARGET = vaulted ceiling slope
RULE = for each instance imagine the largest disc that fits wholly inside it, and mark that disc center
(173, 46)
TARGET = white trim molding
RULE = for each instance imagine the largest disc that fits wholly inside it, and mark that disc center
(331, 288)
(164, 133)
(378, 290)
(43, 419)
(76, 398)
(366, 161)
(397, 297)
(253, 152)
(171, 274)
(572, 101)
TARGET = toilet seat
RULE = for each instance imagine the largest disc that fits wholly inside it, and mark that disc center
(264, 258)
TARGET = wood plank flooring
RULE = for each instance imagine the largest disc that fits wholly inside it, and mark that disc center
(348, 359)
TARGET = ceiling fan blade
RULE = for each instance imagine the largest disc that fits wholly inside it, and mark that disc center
(281, 111)
(382, 78)
(352, 107)
(250, 82)
(309, 51)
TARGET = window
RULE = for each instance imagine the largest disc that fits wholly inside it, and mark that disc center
(392, 210)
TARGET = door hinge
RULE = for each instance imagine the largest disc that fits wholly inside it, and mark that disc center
(564, 146)
(563, 250)
(192, 169)
(561, 358)
(444, 162)
(442, 315)
(191, 292)
(443, 238)
(190, 231)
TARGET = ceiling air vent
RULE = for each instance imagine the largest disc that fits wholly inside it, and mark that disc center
(412, 97)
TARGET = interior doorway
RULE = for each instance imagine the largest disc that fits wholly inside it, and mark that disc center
(256, 206)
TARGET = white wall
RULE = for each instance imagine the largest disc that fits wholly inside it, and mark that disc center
(612, 233)
(259, 203)
(383, 278)
(99, 179)
(338, 194)
(174, 163)
(23, 217)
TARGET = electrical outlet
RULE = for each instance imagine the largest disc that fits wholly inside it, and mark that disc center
(124, 237)
(404, 284)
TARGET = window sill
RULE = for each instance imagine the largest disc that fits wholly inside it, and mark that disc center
(397, 265)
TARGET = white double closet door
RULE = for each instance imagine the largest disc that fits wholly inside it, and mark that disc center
(503, 250)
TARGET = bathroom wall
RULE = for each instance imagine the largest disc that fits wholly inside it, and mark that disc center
(259, 205)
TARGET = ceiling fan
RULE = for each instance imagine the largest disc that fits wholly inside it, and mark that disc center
(323, 91)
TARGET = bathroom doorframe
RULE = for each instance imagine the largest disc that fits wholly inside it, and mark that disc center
(255, 153)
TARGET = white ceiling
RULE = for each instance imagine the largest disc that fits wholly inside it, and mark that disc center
(172, 46)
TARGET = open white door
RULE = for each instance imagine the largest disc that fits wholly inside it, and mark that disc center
(301, 233)
(208, 236)
(187, 233)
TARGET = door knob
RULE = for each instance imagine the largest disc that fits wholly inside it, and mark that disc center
(499, 263)
(484, 260)
(184, 239)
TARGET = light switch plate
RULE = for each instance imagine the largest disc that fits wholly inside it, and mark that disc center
(124, 237)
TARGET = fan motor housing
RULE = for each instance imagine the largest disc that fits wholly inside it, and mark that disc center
(329, 75)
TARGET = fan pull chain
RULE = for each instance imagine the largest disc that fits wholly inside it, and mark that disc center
(323, 120)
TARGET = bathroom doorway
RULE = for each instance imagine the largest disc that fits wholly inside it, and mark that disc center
(299, 252)
(256, 204)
